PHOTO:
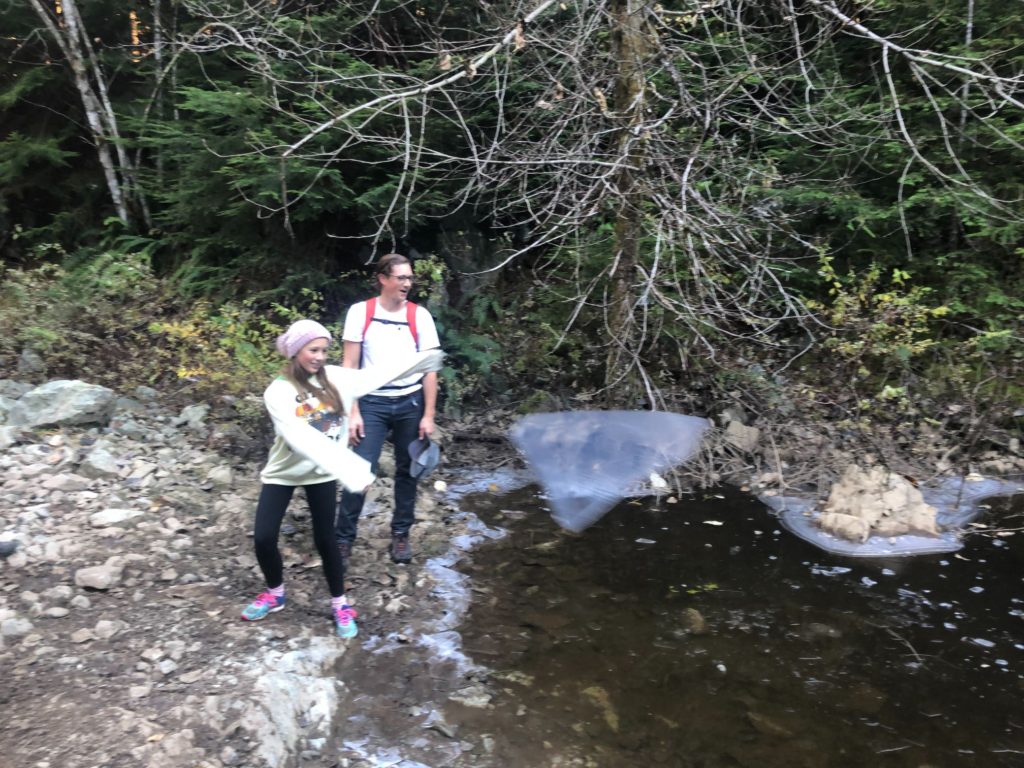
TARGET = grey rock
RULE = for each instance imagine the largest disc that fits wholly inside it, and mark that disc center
(99, 463)
(101, 577)
(59, 594)
(63, 402)
(17, 560)
(146, 393)
(125, 405)
(192, 416)
(106, 629)
(130, 428)
(742, 437)
(142, 469)
(13, 389)
(8, 547)
(9, 436)
(6, 403)
(67, 482)
(15, 627)
(222, 476)
(31, 364)
(112, 516)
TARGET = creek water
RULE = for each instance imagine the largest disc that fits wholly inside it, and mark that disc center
(702, 633)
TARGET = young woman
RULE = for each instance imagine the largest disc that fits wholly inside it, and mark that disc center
(308, 403)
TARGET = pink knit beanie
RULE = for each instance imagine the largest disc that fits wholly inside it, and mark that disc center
(298, 335)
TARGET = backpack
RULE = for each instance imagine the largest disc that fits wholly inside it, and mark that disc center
(410, 318)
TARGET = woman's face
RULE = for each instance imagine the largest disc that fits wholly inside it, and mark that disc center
(311, 358)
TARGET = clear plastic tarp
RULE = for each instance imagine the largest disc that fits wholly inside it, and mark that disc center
(588, 461)
(956, 501)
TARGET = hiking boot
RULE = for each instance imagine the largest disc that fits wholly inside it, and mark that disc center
(345, 550)
(401, 550)
(345, 622)
(262, 605)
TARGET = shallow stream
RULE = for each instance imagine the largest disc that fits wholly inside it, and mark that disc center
(703, 634)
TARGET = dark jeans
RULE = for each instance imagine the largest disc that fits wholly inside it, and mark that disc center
(401, 417)
(270, 512)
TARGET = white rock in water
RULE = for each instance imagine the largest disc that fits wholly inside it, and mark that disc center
(474, 696)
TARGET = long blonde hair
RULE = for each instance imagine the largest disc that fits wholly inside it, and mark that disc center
(327, 392)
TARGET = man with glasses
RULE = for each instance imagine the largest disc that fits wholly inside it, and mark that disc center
(376, 331)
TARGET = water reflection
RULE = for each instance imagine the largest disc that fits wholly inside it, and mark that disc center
(703, 634)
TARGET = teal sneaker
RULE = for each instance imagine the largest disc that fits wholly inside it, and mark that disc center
(345, 622)
(262, 605)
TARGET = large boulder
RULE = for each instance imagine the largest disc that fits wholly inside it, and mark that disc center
(876, 502)
(62, 402)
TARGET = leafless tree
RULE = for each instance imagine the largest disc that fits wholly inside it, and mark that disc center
(626, 112)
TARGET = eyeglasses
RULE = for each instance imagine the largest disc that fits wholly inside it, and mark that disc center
(404, 278)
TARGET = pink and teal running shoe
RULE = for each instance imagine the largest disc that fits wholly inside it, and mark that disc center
(262, 605)
(345, 622)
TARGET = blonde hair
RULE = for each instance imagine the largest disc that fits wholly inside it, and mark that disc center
(327, 393)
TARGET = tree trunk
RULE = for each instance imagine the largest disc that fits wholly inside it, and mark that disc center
(99, 114)
(630, 48)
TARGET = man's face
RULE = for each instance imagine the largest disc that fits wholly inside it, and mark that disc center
(397, 285)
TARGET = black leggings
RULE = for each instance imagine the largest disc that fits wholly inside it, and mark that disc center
(270, 513)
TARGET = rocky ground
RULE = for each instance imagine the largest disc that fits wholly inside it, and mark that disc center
(125, 559)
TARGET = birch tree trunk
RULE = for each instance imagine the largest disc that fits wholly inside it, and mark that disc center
(73, 42)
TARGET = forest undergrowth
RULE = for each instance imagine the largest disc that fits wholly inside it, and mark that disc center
(895, 395)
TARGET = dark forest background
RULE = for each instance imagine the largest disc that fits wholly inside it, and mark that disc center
(805, 214)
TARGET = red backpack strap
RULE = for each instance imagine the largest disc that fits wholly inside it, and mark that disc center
(371, 307)
(410, 318)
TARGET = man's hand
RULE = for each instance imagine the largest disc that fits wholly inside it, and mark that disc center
(356, 432)
(426, 426)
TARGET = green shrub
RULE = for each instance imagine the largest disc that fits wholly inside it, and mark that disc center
(87, 319)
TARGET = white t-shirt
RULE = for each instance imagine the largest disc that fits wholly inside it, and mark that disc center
(389, 338)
